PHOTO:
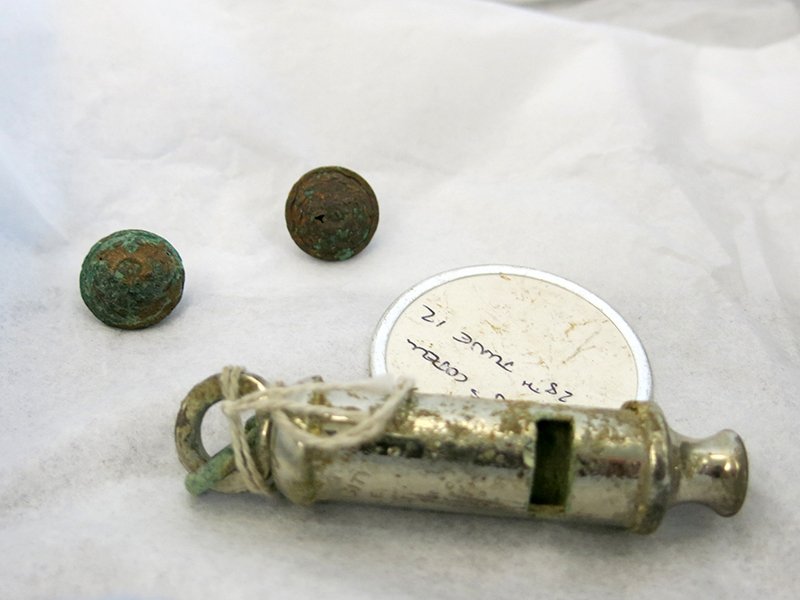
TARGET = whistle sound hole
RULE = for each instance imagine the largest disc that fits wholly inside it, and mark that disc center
(552, 465)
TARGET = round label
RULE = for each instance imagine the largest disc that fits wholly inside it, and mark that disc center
(513, 333)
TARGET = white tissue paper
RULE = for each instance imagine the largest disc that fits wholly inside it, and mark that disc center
(647, 151)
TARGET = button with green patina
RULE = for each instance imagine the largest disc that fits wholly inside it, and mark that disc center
(332, 213)
(132, 279)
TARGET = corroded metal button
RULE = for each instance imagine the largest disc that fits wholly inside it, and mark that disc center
(332, 213)
(132, 279)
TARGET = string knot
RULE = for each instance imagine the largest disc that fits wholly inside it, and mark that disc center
(280, 403)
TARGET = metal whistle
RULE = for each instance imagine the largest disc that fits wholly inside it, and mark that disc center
(622, 468)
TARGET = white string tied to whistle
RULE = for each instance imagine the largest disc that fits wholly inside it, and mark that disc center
(279, 402)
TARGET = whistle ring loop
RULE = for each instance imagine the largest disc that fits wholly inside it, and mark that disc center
(188, 430)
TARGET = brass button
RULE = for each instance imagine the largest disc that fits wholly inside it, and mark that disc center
(331, 213)
(132, 279)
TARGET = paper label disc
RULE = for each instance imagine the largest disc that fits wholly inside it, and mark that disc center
(514, 333)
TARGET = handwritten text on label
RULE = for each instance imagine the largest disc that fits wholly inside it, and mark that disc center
(465, 340)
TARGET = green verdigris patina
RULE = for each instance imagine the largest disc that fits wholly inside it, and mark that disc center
(132, 279)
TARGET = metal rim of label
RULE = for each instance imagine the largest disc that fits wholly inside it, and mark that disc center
(380, 340)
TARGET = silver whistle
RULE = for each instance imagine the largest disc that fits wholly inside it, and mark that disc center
(622, 468)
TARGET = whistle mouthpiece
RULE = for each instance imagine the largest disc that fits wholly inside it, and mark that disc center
(711, 471)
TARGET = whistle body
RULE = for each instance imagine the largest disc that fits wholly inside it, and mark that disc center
(622, 467)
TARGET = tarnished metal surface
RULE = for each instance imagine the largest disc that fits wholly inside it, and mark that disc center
(216, 473)
(332, 213)
(132, 279)
(621, 467)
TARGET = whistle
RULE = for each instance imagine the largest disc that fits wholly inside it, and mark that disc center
(622, 468)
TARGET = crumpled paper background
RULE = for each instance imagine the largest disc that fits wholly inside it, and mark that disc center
(647, 151)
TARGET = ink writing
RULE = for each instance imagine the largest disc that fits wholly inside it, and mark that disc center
(476, 394)
(551, 389)
(437, 363)
(429, 318)
(466, 338)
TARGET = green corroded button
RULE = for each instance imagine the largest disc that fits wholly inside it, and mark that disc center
(331, 213)
(132, 279)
